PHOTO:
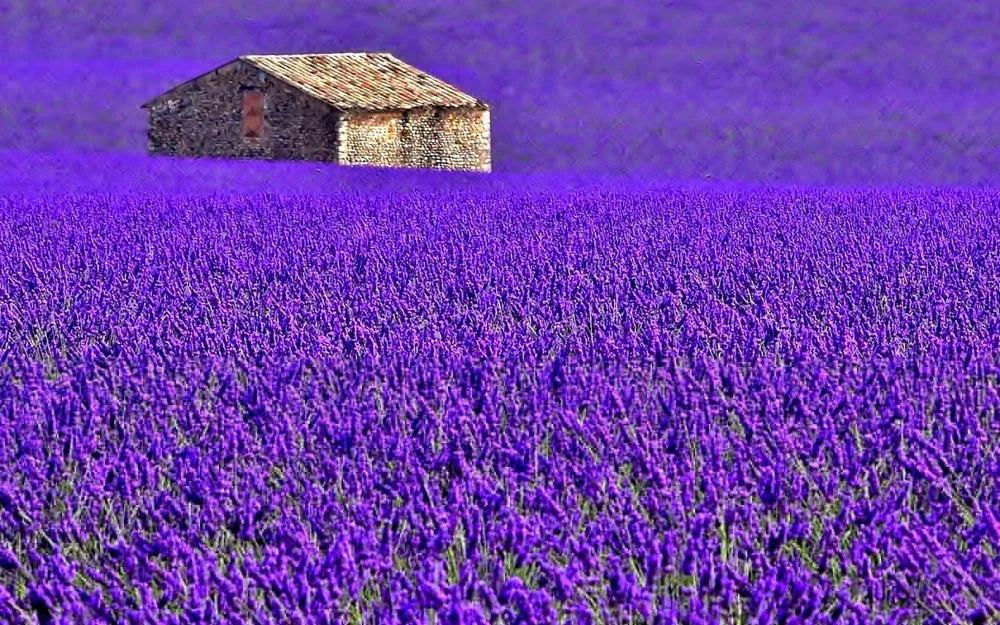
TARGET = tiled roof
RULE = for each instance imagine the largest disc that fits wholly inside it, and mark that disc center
(354, 80)
(362, 80)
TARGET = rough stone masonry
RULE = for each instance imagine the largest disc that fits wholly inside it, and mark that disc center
(241, 111)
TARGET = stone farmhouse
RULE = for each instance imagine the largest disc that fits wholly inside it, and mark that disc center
(351, 108)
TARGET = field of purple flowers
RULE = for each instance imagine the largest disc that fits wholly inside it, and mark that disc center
(588, 407)
(619, 380)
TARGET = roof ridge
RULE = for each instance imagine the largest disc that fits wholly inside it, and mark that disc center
(323, 54)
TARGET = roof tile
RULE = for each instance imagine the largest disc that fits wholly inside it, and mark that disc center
(373, 81)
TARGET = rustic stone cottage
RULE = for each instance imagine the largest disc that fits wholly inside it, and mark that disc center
(362, 109)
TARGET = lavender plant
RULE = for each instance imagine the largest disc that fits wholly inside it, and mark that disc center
(663, 406)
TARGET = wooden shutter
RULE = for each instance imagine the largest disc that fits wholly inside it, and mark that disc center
(253, 114)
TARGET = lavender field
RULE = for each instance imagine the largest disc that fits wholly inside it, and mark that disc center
(717, 342)
(579, 407)
(842, 92)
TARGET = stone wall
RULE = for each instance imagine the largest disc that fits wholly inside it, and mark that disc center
(436, 138)
(370, 138)
(465, 140)
(203, 118)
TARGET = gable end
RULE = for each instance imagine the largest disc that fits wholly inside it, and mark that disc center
(235, 63)
(186, 83)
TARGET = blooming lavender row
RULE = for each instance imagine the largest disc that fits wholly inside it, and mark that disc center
(698, 407)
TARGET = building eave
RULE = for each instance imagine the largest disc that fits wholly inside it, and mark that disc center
(291, 84)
